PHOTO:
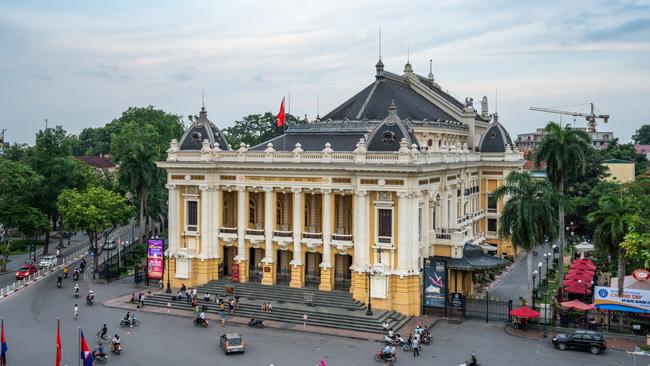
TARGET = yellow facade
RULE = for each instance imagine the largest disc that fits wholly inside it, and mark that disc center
(620, 171)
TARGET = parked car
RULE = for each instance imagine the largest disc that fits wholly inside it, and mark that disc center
(231, 343)
(583, 340)
(110, 245)
(47, 261)
(25, 271)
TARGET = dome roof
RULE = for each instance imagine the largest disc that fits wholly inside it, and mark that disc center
(495, 139)
(387, 136)
(202, 129)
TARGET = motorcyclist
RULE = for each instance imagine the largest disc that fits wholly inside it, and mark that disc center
(59, 280)
(128, 317)
(102, 333)
(76, 289)
(201, 318)
(386, 352)
(75, 275)
(472, 360)
(82, 265)
(90, 296)
(116, 342)
(65, 272)
(99, 352)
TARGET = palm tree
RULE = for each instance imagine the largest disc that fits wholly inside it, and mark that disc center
(563, 149)
(528, 217)
(611, 220)
(139, 172)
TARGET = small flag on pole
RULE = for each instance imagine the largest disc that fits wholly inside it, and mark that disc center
(58, 344)
(281, 115)
(3, 352)
(86, 355)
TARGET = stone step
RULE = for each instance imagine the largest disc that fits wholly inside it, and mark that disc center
(332, 320)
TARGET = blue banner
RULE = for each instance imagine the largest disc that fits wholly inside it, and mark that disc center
(435, 282)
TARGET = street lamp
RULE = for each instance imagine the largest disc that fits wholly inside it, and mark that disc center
(545, 309)
(547, 257)
(555, 251)
(169, 288)
(533, 294)
(370, 272)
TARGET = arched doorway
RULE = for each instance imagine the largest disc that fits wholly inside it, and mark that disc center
(312, 269)
(283, 267)
(342, 274)
(255, 264)
(228, 260)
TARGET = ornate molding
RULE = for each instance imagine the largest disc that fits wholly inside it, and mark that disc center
(171, 187)
(360, 193)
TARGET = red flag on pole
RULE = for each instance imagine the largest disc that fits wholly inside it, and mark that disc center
(281, 115)
(58, 345)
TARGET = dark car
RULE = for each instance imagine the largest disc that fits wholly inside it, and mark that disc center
(231, 343)
(583, 340)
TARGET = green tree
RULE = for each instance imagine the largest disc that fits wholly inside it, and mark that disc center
(17, 185)
(627, 152)
(611, 226)
(528, 217)
(96, 211)
(636, 243)
(255, 129)
(642, 135)
(563, 149)
(51, 157)
(139, 172)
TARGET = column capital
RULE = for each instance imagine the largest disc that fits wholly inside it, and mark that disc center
(268, 189)
(326, 190)
(240, 188)
(171, 187)
(360, 192)
(296, 190)
(204, 188)
(403, 194)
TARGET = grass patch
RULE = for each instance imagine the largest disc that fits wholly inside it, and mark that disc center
(21, 246)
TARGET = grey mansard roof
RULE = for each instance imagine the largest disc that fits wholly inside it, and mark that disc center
(202, 129)
(371, 103)
(495, 139)
(474, 259)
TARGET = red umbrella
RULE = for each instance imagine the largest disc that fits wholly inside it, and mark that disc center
(583, 265)
(570, 282)
(579, 276)
(586, 260)
(582, 271)
(579, 290)
(578, 305)
(524, 312)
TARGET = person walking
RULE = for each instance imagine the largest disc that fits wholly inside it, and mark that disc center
(386, 326)
(237, 302)
(416, 347)
(305, 318)
(76, 311)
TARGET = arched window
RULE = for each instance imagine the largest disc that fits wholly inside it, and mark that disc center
(251, 210)
(278, 211)
(227, 212)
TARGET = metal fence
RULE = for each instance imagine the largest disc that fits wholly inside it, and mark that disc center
(115, 260)
(490, 310)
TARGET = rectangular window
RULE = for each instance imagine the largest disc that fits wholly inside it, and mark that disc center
(492, 225)
(492, 202)
(385, 222)
(192, 216)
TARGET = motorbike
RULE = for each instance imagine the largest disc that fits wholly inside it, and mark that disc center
(76, 293)
(116, 348)
(75, 276)
(400, 342)
(257, 323)
(100, 358)
(380, 356)
(65, 274)
(59, 284)
(125, 323)
(201, 322)
(90, 300)
(426, 338)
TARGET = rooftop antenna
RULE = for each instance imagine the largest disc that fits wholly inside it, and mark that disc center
(46, 123)
(408, 53)
(202, 98)
(380, 42)
(317, 105)
(496, 100)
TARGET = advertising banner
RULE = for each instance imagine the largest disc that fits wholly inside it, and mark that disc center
(155, 258)
(234, 276)
(435, 282)
(635, 301)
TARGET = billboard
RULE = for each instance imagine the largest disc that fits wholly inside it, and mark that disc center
(435, 282)
(155, 258)
(636, 301)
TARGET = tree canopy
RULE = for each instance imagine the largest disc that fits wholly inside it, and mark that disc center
(255, 129)
(642, 135)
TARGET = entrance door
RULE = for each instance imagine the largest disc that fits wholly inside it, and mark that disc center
(312, 269)
(228, 260)
(255, 264)
(342, 274)
(283, 266)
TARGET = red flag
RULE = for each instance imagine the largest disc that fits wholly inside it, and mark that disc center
(281, 114)
(58, 345)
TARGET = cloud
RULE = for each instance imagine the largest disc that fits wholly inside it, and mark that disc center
(636, 29)
(182, 77)
(258, 79)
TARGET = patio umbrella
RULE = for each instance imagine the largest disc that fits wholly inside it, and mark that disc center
(583, 265)
(579, 276)
(524, 312)
(586, 260)
(578, 305)
(588, 272)
(578, 290)
(570, 282)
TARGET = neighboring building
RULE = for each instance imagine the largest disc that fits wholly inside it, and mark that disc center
(643, 150)
(529, 141)
(620, 171)
(399, 172)
(98, 162)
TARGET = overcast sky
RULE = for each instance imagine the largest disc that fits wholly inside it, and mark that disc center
(82, 63)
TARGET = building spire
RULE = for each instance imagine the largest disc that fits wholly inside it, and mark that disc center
(379, 67)
(430, 76)
(408, 68)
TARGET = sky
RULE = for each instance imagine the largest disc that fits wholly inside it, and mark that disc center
(82, 63)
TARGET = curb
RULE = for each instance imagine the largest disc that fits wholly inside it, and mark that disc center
(548, 340)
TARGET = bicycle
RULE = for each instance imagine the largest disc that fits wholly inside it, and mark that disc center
(99, 337)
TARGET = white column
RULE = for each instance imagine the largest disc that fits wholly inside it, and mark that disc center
(215, 223)
(327, 228)
(173, 218)
(403, 234)
(268, 225)
(241, 223)
(297, 226)
(206, 235)
(414, 247)
(426, 224)
(259, 220)
(361, 246)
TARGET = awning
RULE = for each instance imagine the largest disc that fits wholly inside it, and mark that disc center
(488, 247)
(578, 305)
(474, 260)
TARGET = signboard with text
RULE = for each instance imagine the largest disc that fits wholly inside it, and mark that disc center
(635, 301)
(155, 258)
(435, 282)
(234, 277)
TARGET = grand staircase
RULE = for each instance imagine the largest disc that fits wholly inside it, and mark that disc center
(335, 309)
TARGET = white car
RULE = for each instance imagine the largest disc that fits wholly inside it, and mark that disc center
(47, 261)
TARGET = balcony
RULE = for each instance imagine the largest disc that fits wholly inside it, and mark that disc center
(283, 237)
(491, 210)
(312, 239)
(478, 214)
(227, 234)
(342, 237)
(255, 235)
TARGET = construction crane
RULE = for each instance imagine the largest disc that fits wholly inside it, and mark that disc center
(591, 117)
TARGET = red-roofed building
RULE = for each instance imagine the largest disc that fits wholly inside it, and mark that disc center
(98, 162)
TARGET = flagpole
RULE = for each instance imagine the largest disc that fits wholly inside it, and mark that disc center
(79, 349)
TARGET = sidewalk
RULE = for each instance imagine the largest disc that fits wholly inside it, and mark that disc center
(123, 302)
(17, 260)
(620, 344)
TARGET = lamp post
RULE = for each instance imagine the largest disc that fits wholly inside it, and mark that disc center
(545, 309)
(169, 288)
(547, 257)
(370, 273)
(555, 251)
(533, 293)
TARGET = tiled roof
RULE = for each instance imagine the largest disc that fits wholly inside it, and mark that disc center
(475, 259)
(99, 162)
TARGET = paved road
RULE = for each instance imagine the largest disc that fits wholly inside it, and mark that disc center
(515, 282)
(30, 323)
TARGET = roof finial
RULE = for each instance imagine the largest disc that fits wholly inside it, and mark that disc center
(202, 99)
(431, 79)
(380, 42)
(408, 53)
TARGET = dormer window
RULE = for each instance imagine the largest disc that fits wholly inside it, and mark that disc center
(388, 137)
(196, 136)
